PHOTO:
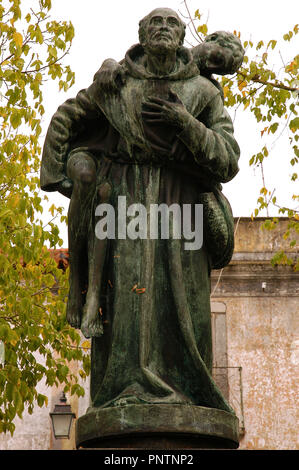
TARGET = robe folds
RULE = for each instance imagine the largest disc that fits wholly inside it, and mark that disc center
(155, 295)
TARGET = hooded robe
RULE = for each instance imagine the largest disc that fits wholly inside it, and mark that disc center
(155, 295)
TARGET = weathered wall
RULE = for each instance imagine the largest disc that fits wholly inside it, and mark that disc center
(33, 431)
(261, 339)
(262, 325)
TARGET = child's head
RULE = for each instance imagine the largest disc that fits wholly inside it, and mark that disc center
(221, 53)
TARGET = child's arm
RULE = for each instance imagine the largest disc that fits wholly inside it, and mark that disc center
(111, 75)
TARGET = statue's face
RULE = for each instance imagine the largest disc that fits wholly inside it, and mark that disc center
(222, 50)
(164, 30)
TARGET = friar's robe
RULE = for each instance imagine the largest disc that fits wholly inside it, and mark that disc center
(155, 297)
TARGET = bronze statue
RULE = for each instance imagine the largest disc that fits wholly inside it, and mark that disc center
(152, 129)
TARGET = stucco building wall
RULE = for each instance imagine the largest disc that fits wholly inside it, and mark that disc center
(33, 432)
(262, 329)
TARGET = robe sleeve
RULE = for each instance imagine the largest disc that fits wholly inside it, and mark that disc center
(210, 139)
(66, 131)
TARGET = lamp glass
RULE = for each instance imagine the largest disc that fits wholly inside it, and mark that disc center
(62, 424)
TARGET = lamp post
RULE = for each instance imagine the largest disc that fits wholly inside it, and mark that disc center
(62, 418)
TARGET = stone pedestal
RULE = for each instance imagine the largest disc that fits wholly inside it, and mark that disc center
(157, 427)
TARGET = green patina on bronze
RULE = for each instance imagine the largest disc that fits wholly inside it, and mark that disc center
(152, 128)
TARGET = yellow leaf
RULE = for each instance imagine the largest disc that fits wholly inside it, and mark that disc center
(85, 345)
(264, 130)
(18, 38)
(242, 85)
(225, 91)
(246, 104)
(290, 67)
(14, 200)
(52, 209)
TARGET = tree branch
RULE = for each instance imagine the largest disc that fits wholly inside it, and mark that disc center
(280, 85)
(48, 65)
(197, 37)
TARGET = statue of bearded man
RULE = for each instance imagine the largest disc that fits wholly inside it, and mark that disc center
(159, 134)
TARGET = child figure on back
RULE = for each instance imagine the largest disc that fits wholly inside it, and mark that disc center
(220, 53)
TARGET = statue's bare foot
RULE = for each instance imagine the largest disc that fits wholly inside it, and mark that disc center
(74, 308)
(91, 325)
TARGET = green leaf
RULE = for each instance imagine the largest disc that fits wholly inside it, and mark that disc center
(294, 124)
(273, 127)
(16, 119)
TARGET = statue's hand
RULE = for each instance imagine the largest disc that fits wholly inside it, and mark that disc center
(158, 110)
(110, 76)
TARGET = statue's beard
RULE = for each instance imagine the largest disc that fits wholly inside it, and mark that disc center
(161, 46)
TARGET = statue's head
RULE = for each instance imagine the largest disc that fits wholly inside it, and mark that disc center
(161, 30)
(221, 53)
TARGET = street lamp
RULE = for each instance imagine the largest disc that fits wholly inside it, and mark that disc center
(62, 418)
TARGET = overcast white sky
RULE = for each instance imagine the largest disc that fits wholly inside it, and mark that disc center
(108, 28)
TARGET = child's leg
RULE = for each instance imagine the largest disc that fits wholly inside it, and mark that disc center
(81, 169)
(91, 321)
